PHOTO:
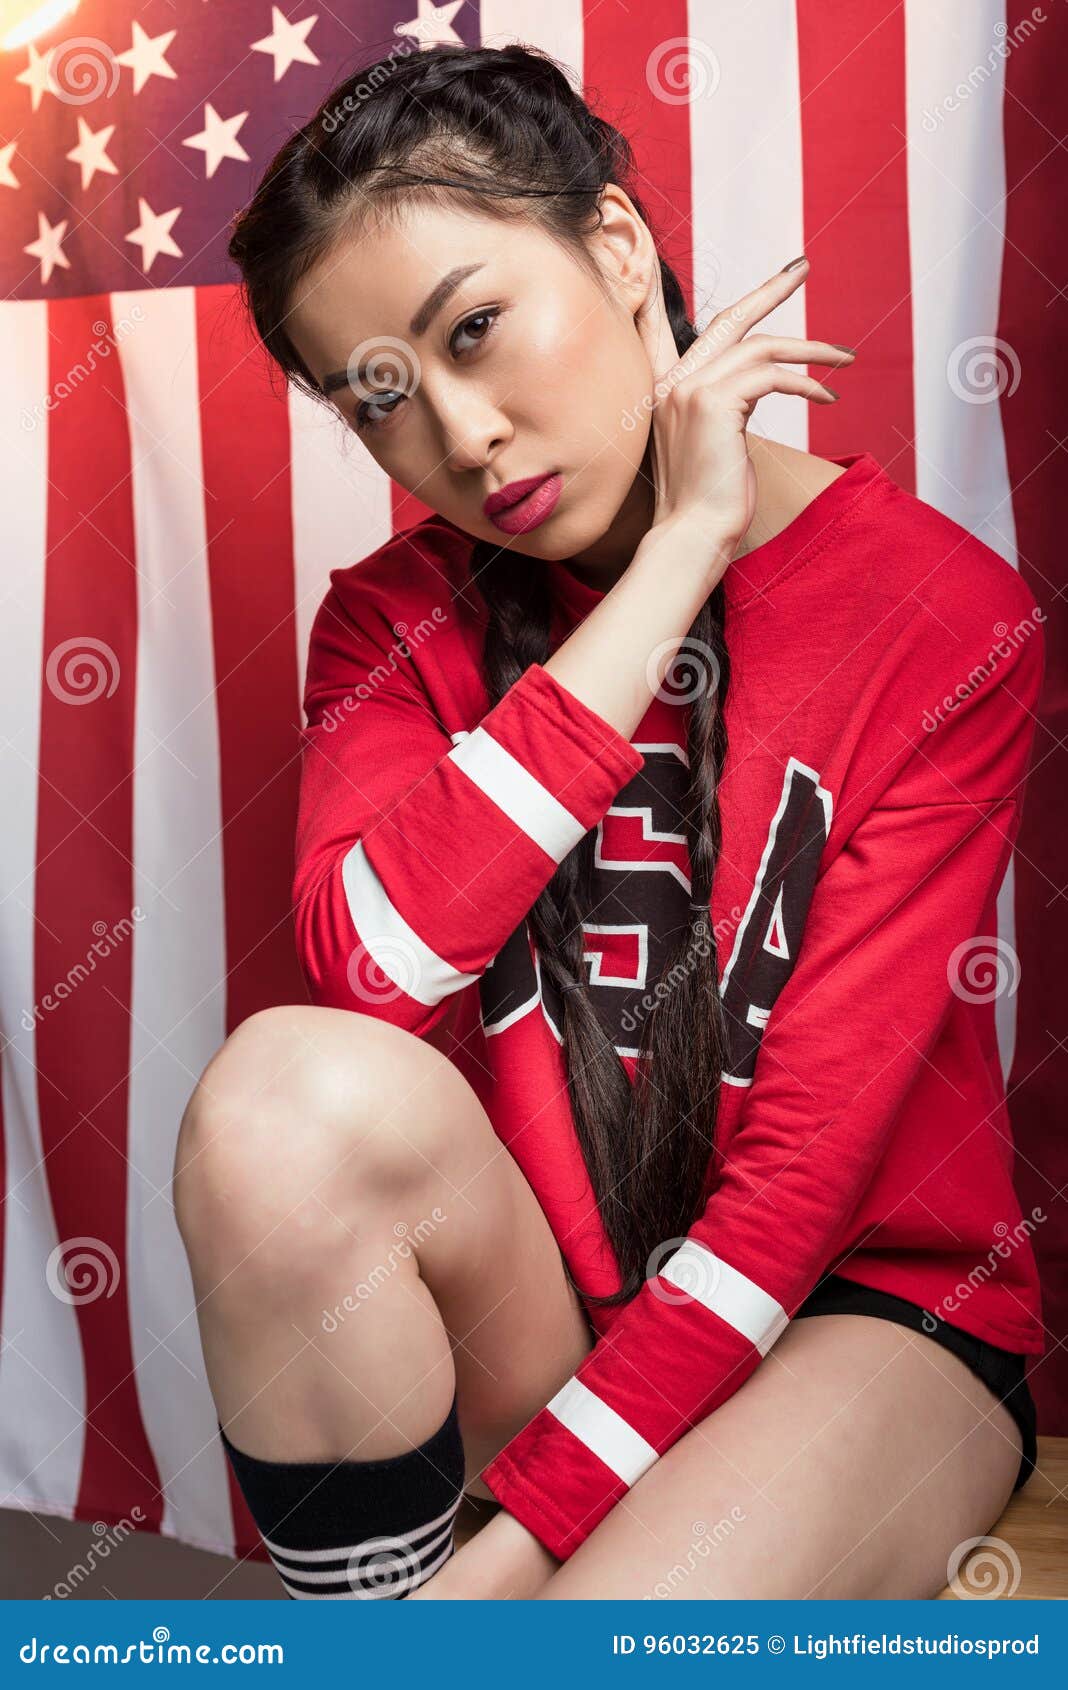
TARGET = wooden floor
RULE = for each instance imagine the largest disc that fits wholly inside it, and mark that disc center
(37, 1551)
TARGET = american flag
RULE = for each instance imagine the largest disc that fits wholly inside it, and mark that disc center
(171, 518)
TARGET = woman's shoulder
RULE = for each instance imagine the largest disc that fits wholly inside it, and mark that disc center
(421, 572)
(900, 552)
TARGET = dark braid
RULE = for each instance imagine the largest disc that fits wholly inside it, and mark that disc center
(503, 129)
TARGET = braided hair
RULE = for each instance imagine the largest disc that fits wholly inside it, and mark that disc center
(503, 130)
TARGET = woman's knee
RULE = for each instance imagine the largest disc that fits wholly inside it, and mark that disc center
(301, 1112)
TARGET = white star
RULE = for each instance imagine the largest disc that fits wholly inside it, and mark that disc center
(433, 26)
(48, 246)
(287, 43)
(153, 233)
(145, 58)
(8, 179)
(218, 138)
(38, 74)
(91, 151)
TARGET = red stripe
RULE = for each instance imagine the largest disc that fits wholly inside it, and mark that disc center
(246, 462)
(852, 75)
(631, 78)
(84, 886)
(1034, 321)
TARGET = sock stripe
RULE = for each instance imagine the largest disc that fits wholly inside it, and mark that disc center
(353, 1583)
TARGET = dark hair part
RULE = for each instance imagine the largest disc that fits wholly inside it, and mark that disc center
(503, 130)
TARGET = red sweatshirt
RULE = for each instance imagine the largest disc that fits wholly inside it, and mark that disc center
(885, 671)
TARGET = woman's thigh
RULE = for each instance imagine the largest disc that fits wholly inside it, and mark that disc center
(345, 1134)
(852, 1463)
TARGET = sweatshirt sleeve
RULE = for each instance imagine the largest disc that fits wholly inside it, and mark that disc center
(886, 946)
(416, 857)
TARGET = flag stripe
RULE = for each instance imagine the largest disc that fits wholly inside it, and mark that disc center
(84, 887)
(1032, 322)
(42, 1378)
(248, 522)
(956, 171)
(748, 215)
(856, 224)
(178, 949)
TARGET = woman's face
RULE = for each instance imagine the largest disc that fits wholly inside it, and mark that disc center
(469, 353)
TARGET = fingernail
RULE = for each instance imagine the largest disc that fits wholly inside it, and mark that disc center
(832, 393)
(840, 348)
(794, 262)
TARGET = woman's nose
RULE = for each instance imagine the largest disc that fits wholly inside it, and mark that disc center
(472, 427)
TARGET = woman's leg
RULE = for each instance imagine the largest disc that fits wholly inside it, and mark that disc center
(361, 1245)
(852, 1463)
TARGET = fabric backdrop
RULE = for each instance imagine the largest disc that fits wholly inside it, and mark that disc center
(171, 517)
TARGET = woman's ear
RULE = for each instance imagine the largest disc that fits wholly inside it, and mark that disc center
(625, 249)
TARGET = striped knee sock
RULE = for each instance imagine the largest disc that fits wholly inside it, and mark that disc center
(345, 1530)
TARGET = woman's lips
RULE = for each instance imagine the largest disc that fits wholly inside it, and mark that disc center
(531, 509)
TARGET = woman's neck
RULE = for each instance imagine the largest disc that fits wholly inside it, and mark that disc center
(787, 480)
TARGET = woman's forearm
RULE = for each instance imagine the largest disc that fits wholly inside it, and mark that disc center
(615, 660)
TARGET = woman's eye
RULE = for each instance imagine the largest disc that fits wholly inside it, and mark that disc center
(364, 414)
(367, 415)
(467, 327)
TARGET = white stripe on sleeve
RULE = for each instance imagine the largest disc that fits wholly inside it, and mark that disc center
(512, 787)
(717, 1286)
(395, 946)
(603, 1431)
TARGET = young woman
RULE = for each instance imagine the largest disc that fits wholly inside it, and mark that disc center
(655, 799)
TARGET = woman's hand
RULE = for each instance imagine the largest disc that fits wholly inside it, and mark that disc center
(501, 1561)
(702, 402)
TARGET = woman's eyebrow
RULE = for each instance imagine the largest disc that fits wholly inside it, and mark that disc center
(439, 294)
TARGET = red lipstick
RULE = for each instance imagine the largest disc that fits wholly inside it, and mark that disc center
(524, 504)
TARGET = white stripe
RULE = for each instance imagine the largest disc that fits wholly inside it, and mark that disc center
(556, 29)
(509, 784)
(177, 1017)
(341, 503)
(395, 946)
(746, 187)
(42, 1384)
(604, 1432)
(739, 1301)
(355, 1586)
(956, 187)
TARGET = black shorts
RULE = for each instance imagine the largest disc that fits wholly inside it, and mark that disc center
(1002, 1370)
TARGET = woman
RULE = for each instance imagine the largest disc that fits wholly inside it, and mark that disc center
(645, 840)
